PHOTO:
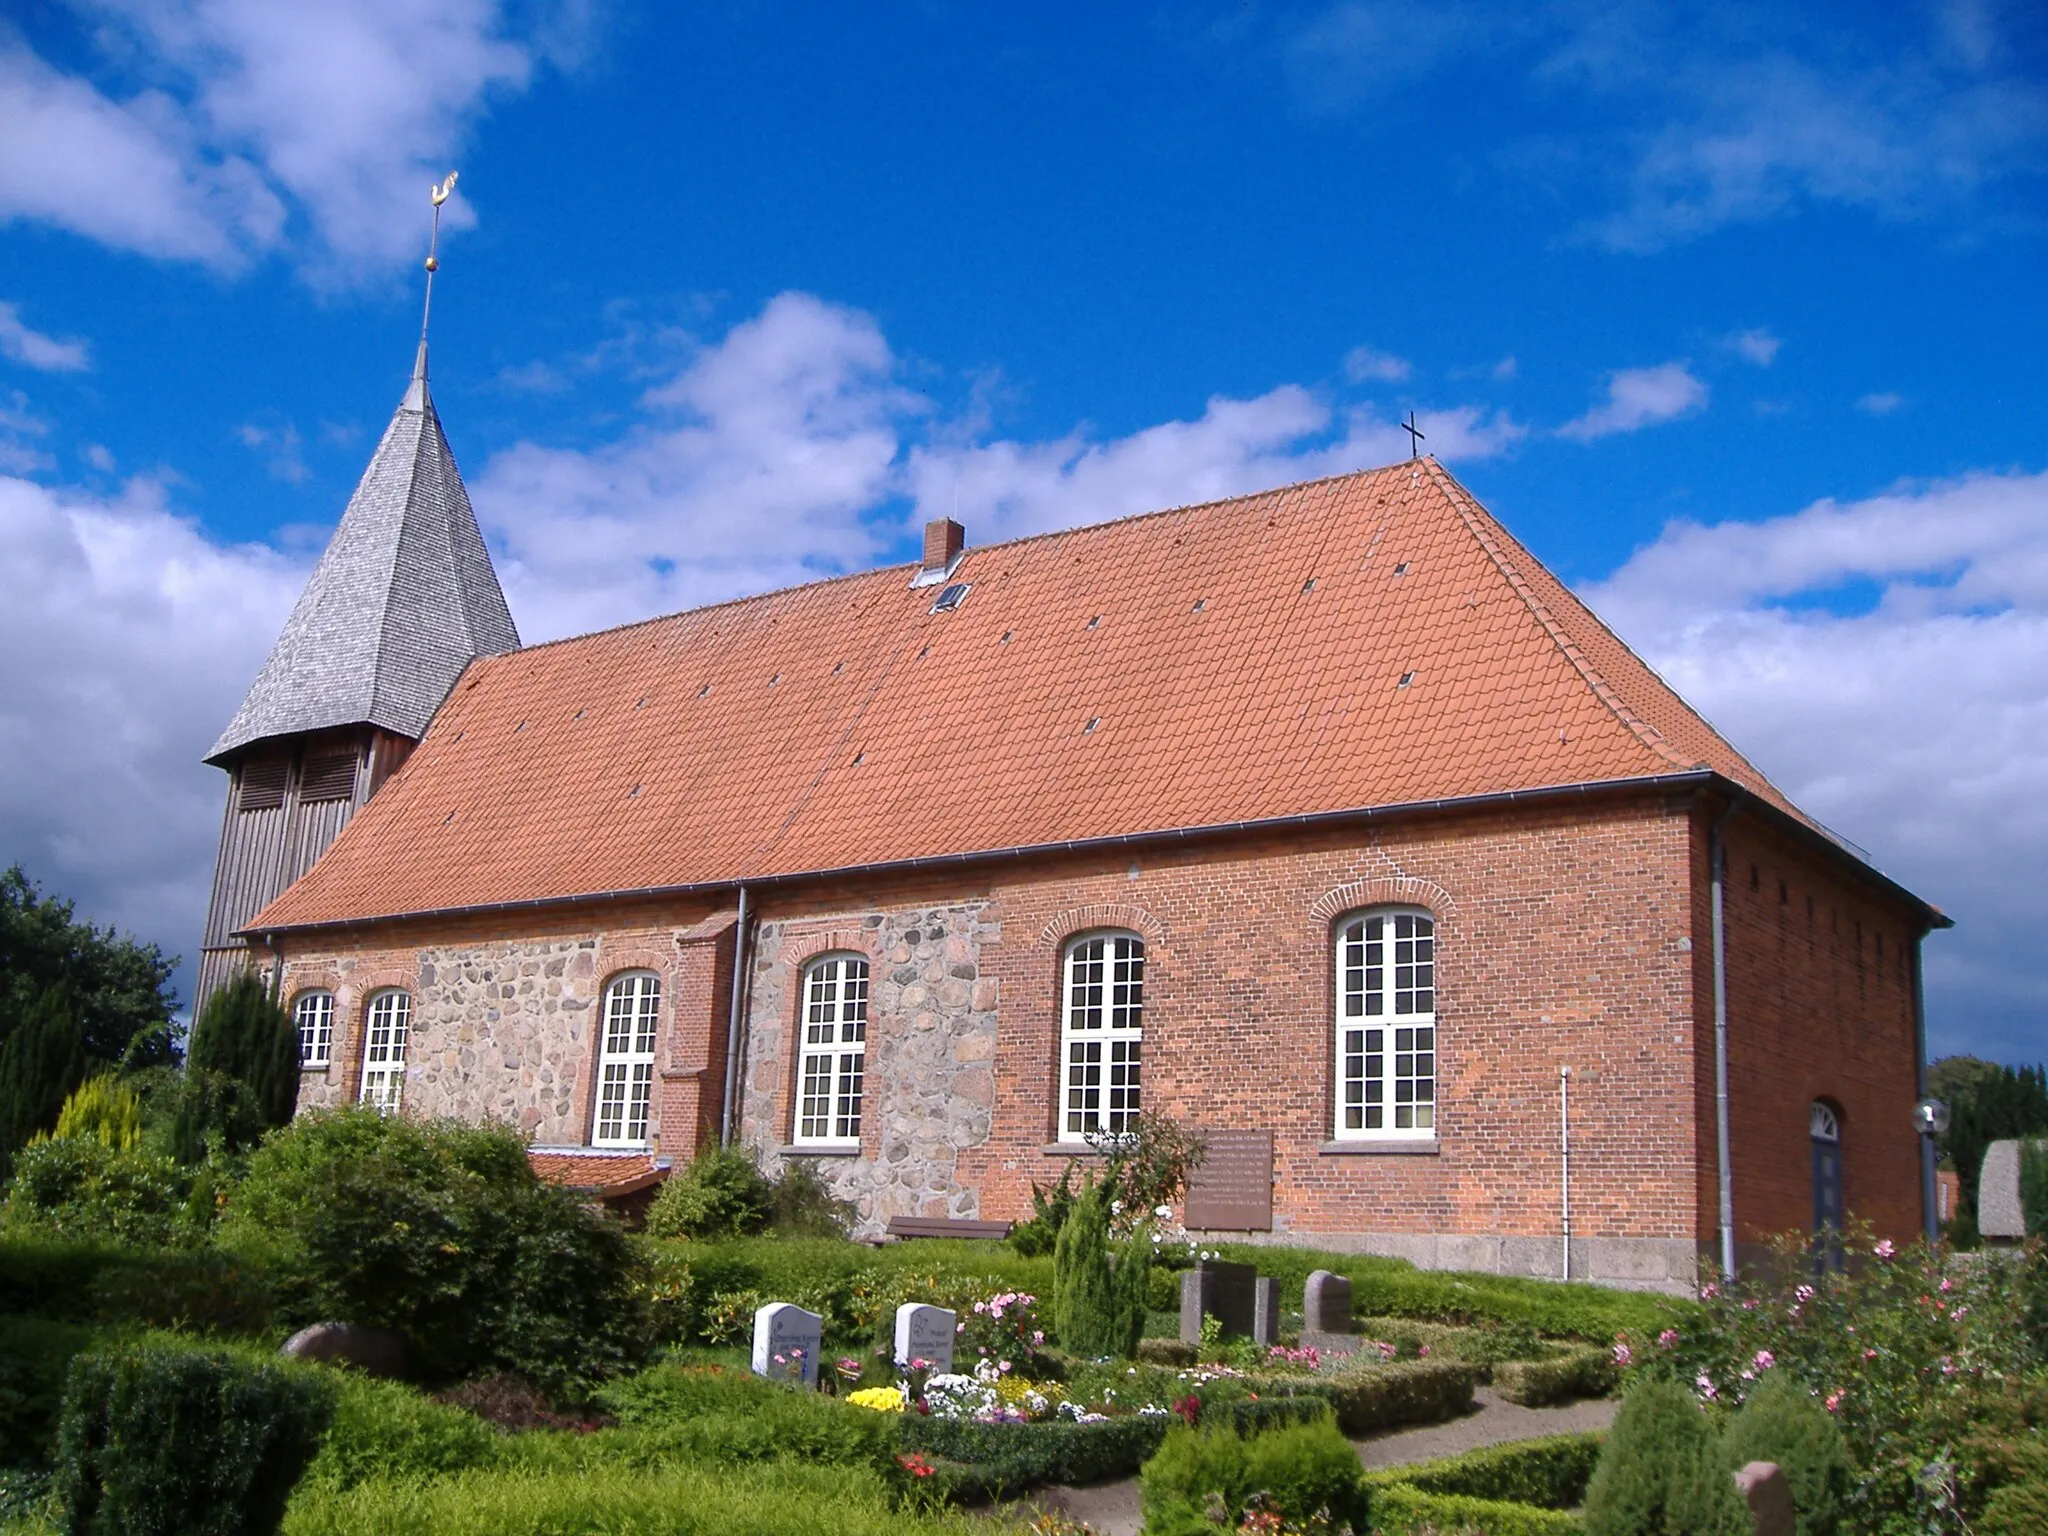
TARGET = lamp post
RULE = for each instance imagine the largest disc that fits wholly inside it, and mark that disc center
(1930, 1119)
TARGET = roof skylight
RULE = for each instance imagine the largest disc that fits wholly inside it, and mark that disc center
(951, 597)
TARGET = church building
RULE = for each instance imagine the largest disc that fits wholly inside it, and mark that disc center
(1325, 820)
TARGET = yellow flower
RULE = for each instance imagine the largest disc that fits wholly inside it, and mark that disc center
(881, 1399)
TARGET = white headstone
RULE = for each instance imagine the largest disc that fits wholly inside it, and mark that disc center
(2001, 1214)
(925, 1333)
(787, 1340)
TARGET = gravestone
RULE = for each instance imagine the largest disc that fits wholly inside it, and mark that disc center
(925, 1333)
(1266, 1311)
(1231, 1189)
(1228, 1291)
(787, 1340)
(1326, 1303)
(1764, 1489)
(2001, 1216)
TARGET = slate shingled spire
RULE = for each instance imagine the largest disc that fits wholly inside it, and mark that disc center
(403, 599)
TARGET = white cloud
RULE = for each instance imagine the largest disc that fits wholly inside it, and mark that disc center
(1363, 364)
(257, 119)
(21, 435)
(278, 443)
(128, 637)
(35, 350)
(1756, 346)
(1880, 404)
(1886, 662)
(1701, 117)
(1638, 398)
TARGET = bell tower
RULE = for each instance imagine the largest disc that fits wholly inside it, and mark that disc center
(402, 600)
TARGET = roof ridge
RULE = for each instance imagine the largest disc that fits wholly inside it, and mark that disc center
(1464, 505)
(972, 550)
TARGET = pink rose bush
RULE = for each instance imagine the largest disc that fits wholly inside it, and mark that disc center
(1905, 1348)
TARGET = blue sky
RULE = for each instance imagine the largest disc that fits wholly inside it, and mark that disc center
(1735, 315)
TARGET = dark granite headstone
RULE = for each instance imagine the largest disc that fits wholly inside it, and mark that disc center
(1266, 1310)
(1228, 1291)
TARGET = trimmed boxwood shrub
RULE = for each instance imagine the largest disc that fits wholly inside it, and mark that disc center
(381, 1431)
(1295, 1471)
(35, 1358)
(1550, 1473)
(2017, 1509)
(183, 1442)
(1662, 1469)
(1586, 1371)
(1780, 1422)
(440, 1231)
(1386, 1394)
(1400, 1509)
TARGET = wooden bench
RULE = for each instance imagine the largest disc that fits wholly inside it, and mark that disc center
(946, 1226)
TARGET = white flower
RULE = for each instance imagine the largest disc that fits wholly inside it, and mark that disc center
(1116, 1207)
(1162, 1211)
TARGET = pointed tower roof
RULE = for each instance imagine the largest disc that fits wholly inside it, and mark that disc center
(403, 599)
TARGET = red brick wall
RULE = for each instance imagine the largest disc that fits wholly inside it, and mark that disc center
(1820, 1006)
(1571, 934)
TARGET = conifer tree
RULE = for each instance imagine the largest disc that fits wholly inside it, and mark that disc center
(41, 1063)
(241, 1069)
(101, 1110)
(1084, 1296)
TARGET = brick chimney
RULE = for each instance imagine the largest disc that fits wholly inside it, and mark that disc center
(943, 541)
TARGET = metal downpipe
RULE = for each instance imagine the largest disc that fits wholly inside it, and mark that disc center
(732, 1023)
(1718, 860)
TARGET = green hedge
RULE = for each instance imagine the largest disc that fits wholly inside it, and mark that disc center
(984, 1461)
(1296, 1472)
(784, 1499)
(1399, 1510)
(1550, 1473)
(35, 1357)
(1395, 1288)
(1387, 1394)
(383, 1432)
(1588, 1371)
(199, 1290)
(182, 1442)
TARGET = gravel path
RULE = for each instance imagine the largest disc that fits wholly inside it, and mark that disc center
(1111, 1509)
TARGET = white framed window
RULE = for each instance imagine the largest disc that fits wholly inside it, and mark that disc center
(313, 1013)
(1102, 1034)
(625, 1063)
(387, 1026)
(1386, 1025)
(832, 1059)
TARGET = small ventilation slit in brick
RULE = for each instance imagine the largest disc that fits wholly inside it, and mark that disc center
(923, 651)
(448, 818)
(633, 791)
(1093, 622)
(1401, 569)
(774, 680)
(1006, 637)
(641, 702)
(1200, 604)
(1406, 679)
(838, 667)
(1309, 585)
(577, 716)
(706, 689)
(519, 727)
(857, 758)
(1093, 722)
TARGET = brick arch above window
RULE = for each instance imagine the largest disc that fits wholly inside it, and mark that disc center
(804, 948)
(1102, 914)
(614, 962)
(1385, 891)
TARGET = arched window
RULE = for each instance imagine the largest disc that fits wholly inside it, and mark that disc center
(625, 1063)
(1386, 1025)
(1102, 1033)
(313, 1013)
(387, 1025)
(832, 1060)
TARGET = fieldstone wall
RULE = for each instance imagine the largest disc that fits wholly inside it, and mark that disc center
(931, 1042)
(503, 1030)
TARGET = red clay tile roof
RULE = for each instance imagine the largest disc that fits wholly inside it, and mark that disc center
(604, 1174)
(1371, 640)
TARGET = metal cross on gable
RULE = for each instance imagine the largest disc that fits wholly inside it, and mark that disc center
(1416, 436)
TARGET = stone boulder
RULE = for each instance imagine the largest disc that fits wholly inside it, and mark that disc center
(374, 1351)
(1764, 1489)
